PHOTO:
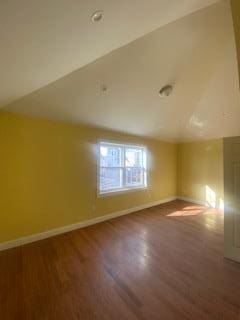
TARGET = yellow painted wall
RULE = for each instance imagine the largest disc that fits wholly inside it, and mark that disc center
(200, 170)
(48, 175)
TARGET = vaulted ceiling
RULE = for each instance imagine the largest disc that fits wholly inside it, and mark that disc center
(57, 64)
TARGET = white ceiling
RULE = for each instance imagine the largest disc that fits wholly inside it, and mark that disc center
(195, 53)
(43, 40)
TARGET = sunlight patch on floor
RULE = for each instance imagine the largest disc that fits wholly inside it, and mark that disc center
(185, 213)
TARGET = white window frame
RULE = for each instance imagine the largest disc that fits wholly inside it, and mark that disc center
(125, 188)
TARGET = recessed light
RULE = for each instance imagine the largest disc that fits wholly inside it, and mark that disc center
(97, 16)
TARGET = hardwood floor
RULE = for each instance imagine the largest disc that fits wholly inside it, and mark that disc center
(160, 263)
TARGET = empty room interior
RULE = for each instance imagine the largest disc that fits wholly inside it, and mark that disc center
(120, 160)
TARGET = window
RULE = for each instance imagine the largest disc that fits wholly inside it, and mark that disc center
(121, 167)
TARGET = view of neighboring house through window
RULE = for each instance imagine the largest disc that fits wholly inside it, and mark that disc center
(121, 167)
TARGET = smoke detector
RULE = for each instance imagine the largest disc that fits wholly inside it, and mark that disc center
(165, 91)
(97, 16)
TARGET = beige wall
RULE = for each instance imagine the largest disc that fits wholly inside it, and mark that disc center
(48, 175)
(200, 171)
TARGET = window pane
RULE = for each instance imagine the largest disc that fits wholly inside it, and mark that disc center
(133, 157)
(133, 177)
(110, 178)
(121, 167)
(110, 156)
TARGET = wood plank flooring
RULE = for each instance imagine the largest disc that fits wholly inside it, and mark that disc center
(161, 263)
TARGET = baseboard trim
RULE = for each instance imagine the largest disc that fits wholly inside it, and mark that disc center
(201, 203)
(53, 232)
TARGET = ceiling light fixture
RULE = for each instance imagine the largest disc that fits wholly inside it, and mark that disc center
(97, 16)
(165, 91)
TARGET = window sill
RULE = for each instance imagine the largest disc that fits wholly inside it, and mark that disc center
(118, 192)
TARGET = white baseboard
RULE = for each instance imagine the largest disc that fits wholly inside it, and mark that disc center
(201, 203)
(53, 232)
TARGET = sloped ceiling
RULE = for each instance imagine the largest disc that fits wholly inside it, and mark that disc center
(235, 5)
(43, 40)
(196, 54)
